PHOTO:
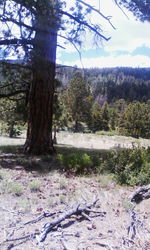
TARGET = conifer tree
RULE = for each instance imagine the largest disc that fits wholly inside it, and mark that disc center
(135, 121)
(78, 100)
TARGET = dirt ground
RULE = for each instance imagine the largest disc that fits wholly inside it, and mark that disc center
(26, 196)
(30, 199)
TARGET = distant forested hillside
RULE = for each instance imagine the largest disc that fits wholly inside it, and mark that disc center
(111, 84)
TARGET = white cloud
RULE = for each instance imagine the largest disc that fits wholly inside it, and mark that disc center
(129, 33)
(110, 61)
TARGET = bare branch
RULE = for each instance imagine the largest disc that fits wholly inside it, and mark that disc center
(121, 8)
(107, 18)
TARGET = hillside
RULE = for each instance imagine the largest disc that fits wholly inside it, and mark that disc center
(112, 83)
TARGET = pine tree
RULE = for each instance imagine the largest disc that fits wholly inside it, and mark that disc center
(135, 121)
(78, 100)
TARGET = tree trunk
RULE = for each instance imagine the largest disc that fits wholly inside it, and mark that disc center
(11, 129)
(40, 102)
(76, 126)
(55, 137)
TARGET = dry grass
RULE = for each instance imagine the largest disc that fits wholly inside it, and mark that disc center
(91, 141)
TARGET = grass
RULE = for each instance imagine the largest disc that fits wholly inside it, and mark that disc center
(9, 187)
(106, 180)
(35, 186)
(128, 205)
(107, 133)
(3, 174)
(24, 205)
(63, 183)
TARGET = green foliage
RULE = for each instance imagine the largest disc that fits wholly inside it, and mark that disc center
(135, 120)
(132, 167)
(76, 162)
(109, 84)
(77, 100)
(129, 167)
(12, 117)
(35, 185)
(7, 187)
(99, 118)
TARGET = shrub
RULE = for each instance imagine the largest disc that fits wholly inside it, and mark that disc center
(129, 166)
(76, 162)
(132, 167)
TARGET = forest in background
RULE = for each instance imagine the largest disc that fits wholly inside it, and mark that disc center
(109, 99)
(116, 100)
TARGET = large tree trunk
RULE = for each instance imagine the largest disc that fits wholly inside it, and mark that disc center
(40, 103)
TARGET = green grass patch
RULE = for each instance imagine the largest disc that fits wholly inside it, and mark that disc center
(11, 149)
(35, 186)
(8, 187)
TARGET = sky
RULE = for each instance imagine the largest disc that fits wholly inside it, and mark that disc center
(129, 45)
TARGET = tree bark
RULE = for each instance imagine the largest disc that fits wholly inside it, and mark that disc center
(40, 102)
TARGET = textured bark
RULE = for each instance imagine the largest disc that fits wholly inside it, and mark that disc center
(40, 103)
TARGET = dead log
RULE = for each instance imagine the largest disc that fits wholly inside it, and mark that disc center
(78, 210)
(140, 194)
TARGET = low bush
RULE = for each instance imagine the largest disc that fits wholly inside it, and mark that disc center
(129, 166)
(76, 162)
(132, 167)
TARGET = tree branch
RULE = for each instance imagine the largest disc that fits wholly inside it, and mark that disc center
(79, 209)
(13, 93)
(12, 64)
(19, 23)
(97, 11)
(16, 41)
(27, 5)
(85, 24)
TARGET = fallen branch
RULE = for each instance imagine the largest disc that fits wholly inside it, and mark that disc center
(44, 215)
(78, 210)
(81, 209)
(135, 225)
(140, 194)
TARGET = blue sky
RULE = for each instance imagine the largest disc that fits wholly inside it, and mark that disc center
(129, 44)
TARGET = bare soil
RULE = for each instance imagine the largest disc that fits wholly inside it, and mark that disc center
(57, 193)
(29, 195)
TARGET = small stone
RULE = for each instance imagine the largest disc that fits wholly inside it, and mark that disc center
(100, 235)
(77, 234)
(110, 231)
(93, 226)
(39, 209)
(89, 227)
